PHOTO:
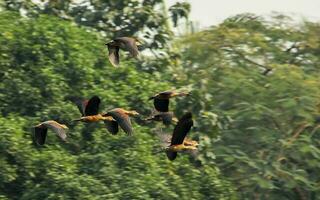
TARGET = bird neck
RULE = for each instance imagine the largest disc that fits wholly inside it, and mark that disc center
(107, 118)
(91, 118)
(132, 113)
(181, 147)
(177, 147)
(179, 94)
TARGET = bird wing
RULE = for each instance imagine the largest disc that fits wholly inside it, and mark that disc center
(114, 57)
(112, 127)
(122, 119)
(92, 107)
(168, 92)
(81, 104)
(171, 155)
(161, 105)
(130, 45)
(57, 128)
(181, 129)
(40, 135)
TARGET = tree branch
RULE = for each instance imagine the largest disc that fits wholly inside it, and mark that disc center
(266, 68)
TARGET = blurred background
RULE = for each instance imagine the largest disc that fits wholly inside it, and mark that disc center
(253, 71)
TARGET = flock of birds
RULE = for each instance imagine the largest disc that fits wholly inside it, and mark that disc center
(89, 109)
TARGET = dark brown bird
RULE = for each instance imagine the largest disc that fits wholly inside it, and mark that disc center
(161, 100)
(166, 117)
(90, 110)
(40, 131)
(90, 113)
(122, 118)
(178, 142)
(123, 43)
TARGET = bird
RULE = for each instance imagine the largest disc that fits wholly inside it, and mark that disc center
(122, 118)
(40, 131)
(178, 140)
(90, 110)
(90, 113)
(166, 117)
(161, 100)
(123, 43)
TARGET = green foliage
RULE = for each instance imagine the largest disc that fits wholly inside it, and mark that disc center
(261, 79)
(45, 61)
(179, 10)
(146, 19)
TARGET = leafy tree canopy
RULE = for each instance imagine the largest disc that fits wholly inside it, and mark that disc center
(257, 81)
(45, 61)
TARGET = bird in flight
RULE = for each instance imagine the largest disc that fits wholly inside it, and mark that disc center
(122, 118)
(161, 100)
(40, 131)
(178, 142)
(89, 110)
(123, 43)
(90, 113)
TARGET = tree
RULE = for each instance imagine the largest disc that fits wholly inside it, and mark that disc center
(257, 81)
(147, 19)
(44, 62)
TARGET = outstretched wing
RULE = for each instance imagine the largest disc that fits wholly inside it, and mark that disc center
(182, 128)
(171, 155)
(114, 57)
(92, 107)
(122, 119)
(59, 129)
(166, 93)
(81, 104)
(40, 135)
(130, 45)
(161, 105)
(112, 127)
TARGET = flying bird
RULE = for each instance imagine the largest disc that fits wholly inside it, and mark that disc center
(40, 131)
(122, 118)
(90, 110)
(161, 100)
(123, 43)
(166, 117)
(178, 140)
(90, 113)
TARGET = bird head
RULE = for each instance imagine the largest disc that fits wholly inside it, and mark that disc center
(64, 126)
(134, 113)
(110, 43)
(175, 120)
